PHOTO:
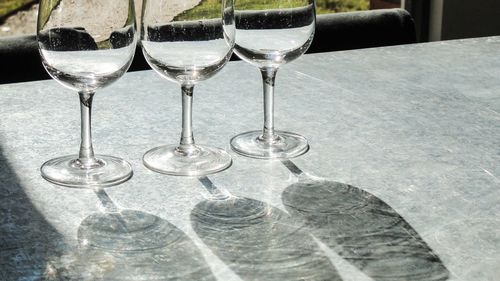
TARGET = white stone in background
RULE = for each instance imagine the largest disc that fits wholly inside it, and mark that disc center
(24, 22)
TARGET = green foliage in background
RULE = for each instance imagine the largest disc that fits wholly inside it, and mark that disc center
(208, 7)
(211, 8)
(267, 4)
(46, 10)
(205, 9)
(9, 6)
(335, 6)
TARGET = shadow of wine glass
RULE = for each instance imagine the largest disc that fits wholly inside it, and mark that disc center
(134, 245)
(362, 229)
(257, 241)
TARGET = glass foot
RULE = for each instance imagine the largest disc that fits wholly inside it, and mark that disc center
(198, 161)
(68, 171)
(284, 145)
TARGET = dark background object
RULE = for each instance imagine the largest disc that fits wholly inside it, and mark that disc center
(384, 4)
(367, 29)
(186, 31)
(61, 39)
(420, 10)
(20, 60)
(274, 19)
(334, 32)
(468, 19)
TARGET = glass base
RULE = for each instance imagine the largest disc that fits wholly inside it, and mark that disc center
(284, 145)
(197, 161)
(68, 171)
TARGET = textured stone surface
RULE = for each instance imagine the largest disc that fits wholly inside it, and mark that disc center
(414, 132)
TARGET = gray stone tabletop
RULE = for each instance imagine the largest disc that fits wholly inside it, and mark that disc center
(402, 181)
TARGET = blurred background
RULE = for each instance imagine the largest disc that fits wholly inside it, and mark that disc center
(18, 17)
(435, 19)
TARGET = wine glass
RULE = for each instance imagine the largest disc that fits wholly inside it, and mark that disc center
(268, 35)
(187, 43)
(85, 46)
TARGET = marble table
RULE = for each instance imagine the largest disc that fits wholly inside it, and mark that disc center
(402, 180)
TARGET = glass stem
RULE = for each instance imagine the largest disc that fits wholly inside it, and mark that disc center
(186, 145)
(268, 77)
(86, 156)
